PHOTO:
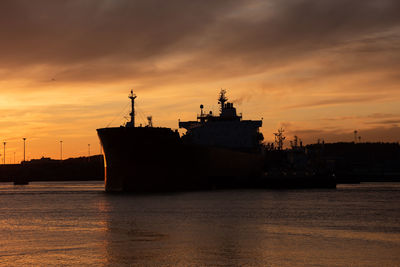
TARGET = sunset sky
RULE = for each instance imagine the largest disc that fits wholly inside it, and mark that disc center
(319, 69)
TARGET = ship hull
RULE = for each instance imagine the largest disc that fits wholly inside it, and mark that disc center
(146, 160)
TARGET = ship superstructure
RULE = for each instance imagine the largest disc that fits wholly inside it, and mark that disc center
(227, 130)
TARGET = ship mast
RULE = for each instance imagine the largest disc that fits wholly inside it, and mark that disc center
(222, 99)
(132, 96)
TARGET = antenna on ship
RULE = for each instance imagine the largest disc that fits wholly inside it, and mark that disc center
(222, 98)
(150, 121)
(132, 96)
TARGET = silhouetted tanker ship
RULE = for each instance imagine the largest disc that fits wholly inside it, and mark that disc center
(221, 151)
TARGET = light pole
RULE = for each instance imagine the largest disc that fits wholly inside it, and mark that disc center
(4, 153)
(61, 149)
(24, 147)
(88, 150)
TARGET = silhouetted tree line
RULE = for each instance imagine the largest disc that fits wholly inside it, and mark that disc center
(47, 169)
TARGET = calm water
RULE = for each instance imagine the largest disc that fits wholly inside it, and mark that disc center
(77, 224)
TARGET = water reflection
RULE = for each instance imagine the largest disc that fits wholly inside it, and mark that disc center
(178, 229)
(249, 228)
(44, 224)
(78, 224)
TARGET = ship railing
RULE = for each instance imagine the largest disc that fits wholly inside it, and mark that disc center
(203, 116)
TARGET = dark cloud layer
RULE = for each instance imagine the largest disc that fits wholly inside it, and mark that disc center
(104, 39)
(59, 32)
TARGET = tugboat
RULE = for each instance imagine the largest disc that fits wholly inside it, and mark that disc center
(221, 151)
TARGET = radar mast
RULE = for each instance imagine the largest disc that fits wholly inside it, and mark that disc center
(222, 99)
(132, 96)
